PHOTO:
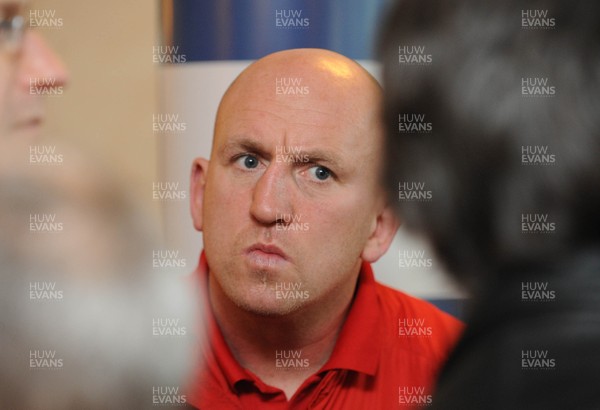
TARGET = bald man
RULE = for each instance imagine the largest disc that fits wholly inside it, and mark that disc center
(292, 215)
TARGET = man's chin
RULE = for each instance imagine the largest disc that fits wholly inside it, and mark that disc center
(268, 305)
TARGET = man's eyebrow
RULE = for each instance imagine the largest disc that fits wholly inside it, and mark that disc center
(321, 157)
(245, 144)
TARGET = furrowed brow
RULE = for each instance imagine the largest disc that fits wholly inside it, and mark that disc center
(324, 158)
(246, 144)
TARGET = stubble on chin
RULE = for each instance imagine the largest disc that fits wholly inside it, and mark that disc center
(259, 296)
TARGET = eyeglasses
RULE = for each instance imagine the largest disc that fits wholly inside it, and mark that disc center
(12, 25)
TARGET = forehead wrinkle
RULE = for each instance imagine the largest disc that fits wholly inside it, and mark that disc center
(264, 111)
(288, 120)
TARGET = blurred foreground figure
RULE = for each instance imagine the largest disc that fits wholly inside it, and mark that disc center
(29, 70)
(85, 322)
(494, 109)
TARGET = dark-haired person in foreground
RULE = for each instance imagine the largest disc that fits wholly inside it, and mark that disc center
(511, 91)
(292, 215)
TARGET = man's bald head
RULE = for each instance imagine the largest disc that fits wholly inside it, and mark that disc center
(328, 77)
(311, 62)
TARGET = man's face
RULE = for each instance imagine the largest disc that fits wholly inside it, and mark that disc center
(28, 70)
(291, 194)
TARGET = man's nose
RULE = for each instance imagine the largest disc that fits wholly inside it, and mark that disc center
(270, 198)
(39, 61)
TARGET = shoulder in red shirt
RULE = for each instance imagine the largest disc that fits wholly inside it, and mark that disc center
(387, 356)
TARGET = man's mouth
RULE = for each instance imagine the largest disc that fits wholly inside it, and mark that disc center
(265, 255)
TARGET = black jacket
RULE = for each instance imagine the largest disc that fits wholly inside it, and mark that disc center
(534, 350)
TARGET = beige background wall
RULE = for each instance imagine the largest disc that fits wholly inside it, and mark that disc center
(107, 107)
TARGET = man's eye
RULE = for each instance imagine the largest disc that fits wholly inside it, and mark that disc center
(248, 161)
(321, 173)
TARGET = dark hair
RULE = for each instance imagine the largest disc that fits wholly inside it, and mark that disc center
(482, 159)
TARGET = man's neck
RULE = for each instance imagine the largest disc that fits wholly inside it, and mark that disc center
(283, 351)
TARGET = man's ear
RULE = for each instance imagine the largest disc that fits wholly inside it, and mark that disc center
(382, 235)
(197, 186)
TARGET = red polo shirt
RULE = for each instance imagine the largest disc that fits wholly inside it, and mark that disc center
(387, 356)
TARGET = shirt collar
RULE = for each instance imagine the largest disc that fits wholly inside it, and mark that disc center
(356, 348)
